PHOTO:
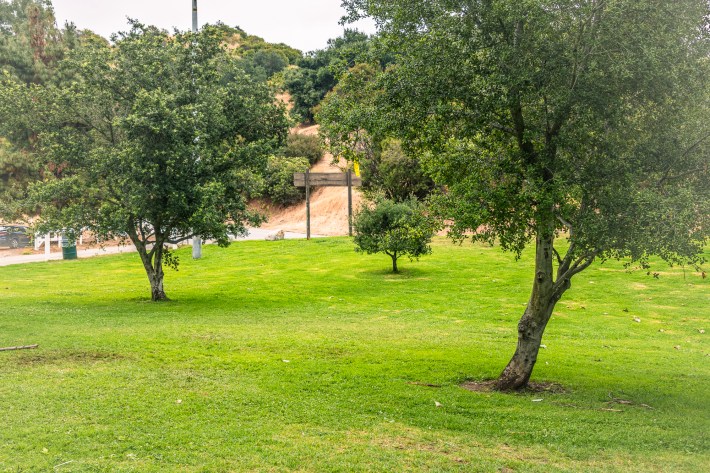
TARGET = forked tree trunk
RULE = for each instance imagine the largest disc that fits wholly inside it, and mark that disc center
(157, 293)
(394, 260)
(154, 270)
(534, 320)
(152, 262)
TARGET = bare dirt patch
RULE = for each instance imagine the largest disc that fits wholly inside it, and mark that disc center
(59, 356)
(329, 205)
(486, 386)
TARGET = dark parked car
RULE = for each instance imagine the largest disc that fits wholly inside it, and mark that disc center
(14, 236)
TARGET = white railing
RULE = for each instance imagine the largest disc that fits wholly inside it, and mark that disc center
(48, 239)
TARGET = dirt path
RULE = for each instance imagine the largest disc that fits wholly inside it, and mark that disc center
(329, 205)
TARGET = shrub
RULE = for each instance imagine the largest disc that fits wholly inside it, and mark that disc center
(394, 228)
(279, 179)
(401, 176)
(303, 146)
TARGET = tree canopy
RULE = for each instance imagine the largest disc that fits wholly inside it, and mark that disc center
(31, 50)
(260, 59)
(350, 124)
(157, 139)
(319, 71)
(586, 119)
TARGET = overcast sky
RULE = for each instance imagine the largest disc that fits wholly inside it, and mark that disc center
(302, 24)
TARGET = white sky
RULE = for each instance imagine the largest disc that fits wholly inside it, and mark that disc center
(302, 24)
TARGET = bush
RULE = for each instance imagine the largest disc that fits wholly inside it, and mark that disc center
(303, 146)
(395, 229)
(279, 179)
(401, 175)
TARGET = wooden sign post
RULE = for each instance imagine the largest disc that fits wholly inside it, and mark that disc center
(326, 179)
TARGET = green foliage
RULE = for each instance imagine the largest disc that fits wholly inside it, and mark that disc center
(297, 155)
(394, 228)
(31, 50)
(261, 60)
(17, 169)
(159, 138)
(399, 175)
(348, 116)
(582, 117)
(279, 179)
(307, 146)
(319, 71)
(263, 64)
(349, 124)
(30, 43)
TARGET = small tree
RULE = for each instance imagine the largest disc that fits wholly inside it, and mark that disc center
(158, 139)
(394, 228)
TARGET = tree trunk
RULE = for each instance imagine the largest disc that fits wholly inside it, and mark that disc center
(394, 262)
(152, 260)
(157, 293)
(154, 269)
(534, 320)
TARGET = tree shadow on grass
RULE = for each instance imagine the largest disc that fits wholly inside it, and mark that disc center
(402, 274)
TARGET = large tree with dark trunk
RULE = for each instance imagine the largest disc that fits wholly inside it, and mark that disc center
(159, 138)
(548, 118)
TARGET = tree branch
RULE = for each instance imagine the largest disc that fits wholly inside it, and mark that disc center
(503, 128)
(568, 269)
(557, 255)
(667, 176)
(179, 240)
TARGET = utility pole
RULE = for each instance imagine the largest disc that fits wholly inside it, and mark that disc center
(196, 241)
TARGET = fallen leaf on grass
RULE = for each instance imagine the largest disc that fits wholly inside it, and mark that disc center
(701, 331)
(636, 319)
(437, 403)
(537, 400)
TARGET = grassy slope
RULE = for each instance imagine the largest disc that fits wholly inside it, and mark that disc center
(200, 384)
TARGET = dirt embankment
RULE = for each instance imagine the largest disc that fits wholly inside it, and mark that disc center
(329, 205)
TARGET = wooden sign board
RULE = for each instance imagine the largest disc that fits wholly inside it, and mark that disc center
(327, 179)
(318, 179)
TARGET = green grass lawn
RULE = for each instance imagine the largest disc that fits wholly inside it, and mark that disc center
(305, 356)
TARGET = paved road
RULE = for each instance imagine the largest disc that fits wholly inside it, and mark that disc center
(254, 234)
